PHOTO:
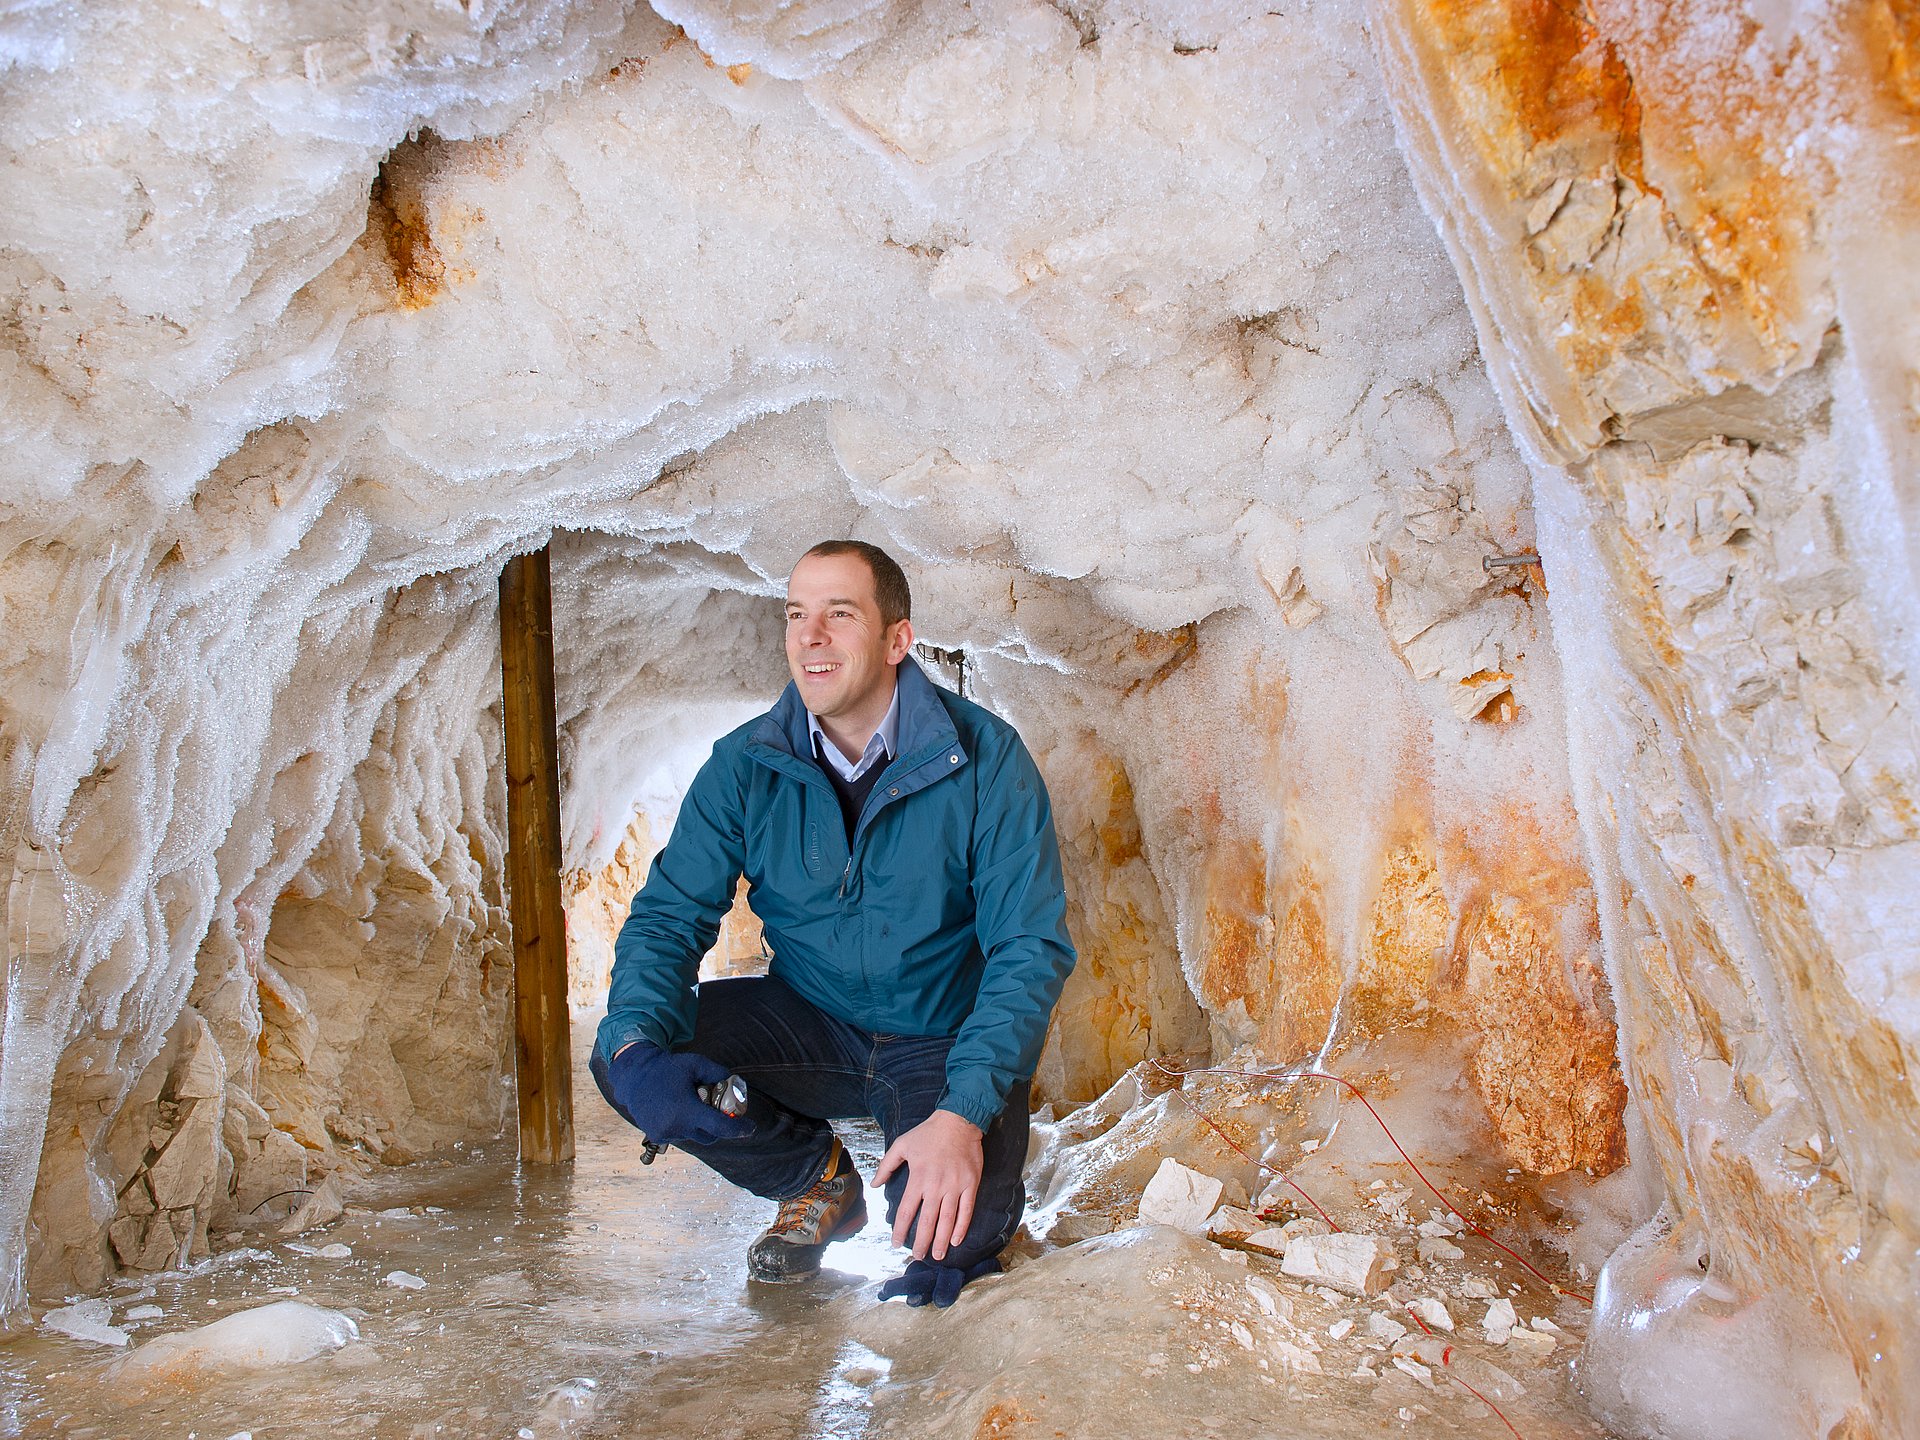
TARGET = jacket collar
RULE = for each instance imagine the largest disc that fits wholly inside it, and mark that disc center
(887, 738)
(925, 726)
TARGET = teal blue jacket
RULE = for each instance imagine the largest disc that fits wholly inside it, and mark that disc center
(944, 916)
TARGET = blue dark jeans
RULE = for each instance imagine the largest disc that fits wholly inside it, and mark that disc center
(803, 1068)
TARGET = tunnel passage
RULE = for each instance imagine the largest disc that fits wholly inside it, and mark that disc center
(1203, 367)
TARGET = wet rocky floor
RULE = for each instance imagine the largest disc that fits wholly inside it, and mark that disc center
(611, 1300)
(606, 1300)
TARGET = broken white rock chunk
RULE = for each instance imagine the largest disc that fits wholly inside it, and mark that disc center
(403, 1280)
(1474, 1288)
(143, 1312)
(1535, 1345)
(1269, 1298)
(1305, 1225)
(335, 1251)
(263, 1338)
(1179, 1197)
(1414, 1368)
(1352, 1264)
(1384, 1327)
(1499, 1321)
(1432, 1312)
(567, 1408)
(1270, 1241)
(1340, 1329)
(1431, 1249)
(86, 1320)
(1293, 1357)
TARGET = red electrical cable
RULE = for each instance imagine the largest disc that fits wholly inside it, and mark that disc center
(1446, 1364)
(1207, 1121)
(1359, 1095)
(1484, 1401)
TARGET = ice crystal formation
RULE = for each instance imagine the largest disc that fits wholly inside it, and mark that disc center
(1198, 361)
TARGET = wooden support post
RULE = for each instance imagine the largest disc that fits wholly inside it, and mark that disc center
(543, 1052)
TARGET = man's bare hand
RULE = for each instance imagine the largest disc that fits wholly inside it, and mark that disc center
(943, 1159)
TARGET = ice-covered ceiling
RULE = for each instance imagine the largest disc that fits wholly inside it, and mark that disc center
(1195, 358)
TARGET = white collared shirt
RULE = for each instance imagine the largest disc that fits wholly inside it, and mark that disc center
(883, 744)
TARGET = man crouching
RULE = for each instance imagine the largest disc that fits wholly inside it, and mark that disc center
(899, 847)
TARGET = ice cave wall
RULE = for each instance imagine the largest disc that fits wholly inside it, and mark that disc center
(1126, 326)
(1692, 252)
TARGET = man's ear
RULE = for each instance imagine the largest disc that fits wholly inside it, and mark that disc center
(900, 641)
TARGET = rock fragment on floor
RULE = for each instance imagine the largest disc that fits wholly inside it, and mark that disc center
(1497, 1324)
(1180, 1197)
(1071, 1228)
(1532, 1345)
(1352, 1264)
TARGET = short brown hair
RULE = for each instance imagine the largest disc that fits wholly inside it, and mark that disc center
(889, 580)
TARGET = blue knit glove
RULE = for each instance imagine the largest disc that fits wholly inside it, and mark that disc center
(654, 1090)
(925, 1280)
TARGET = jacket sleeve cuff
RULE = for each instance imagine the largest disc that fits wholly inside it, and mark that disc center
(618, 1031)
(977, 1109)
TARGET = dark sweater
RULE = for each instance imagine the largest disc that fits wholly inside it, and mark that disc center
(853, 793)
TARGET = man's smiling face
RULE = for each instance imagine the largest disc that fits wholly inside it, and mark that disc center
(840, 654)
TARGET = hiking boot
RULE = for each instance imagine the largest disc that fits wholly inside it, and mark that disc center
(832, 1208)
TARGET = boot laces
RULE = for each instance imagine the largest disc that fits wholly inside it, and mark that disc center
(799, 1210)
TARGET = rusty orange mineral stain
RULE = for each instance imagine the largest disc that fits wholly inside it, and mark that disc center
(1522, 973)
(1604, 321)
(1166, 651)
(1891, 30)
(1003, 1418)
(1236, 957)
(1406, 938)
(1118, 829)
(414, 233)
(1306, 974)
(398, 215)
(1546, 64)
(1673, 100)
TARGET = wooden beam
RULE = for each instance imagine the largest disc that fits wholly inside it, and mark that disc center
(543, 1051)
